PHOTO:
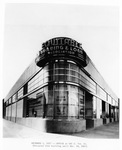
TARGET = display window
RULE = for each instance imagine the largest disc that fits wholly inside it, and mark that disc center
(61, 111)
(61, 97)
(73, 111)
(50, 110)
(94, 107)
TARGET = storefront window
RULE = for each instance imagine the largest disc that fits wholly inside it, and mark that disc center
(60, 111)
(112, 112)
(107, 110)
(60, 100)
(73, 95)
(94, 107)
(61, 97)
(88, 105)
(100, 108)
(36, 104)
(14, 110)
(81, 106)
(20, 109)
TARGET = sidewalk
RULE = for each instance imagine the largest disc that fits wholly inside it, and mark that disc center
(14, 130)
(107, 131)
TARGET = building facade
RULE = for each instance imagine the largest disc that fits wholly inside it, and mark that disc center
(61, 91)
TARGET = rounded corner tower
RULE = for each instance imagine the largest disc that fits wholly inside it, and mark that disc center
(63, 58)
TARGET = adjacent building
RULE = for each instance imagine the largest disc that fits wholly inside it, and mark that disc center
(61, 91)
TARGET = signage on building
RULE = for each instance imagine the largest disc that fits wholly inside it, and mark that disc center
(61, 48)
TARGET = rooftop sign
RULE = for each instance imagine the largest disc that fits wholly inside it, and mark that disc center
(61, 48)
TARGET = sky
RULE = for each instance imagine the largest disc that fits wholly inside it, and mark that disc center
(27, 26)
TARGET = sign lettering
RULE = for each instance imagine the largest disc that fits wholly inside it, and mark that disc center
(61, 47)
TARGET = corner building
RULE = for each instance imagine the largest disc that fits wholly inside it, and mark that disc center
(61, 91)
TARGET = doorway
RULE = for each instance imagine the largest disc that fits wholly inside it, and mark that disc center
(89, 110)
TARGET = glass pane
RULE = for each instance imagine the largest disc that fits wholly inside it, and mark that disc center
(61, 97)
(73, 67)
(14, 110)
(9, 114)
(36, 104)
(60, 87)
(14, 98)
(73, 98)
(50, 97)
(7, 111)
(20, 108)
(80, 91)
(49, 110)
(73, 111)
(73, 88)
(60, 110)
(81, 112)
(81, 99)
(94, 107)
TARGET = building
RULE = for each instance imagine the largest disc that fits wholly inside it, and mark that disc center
(61, 91)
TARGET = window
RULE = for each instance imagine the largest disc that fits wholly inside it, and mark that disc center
(20, 109)
(61, 97)
(73, 67)
(36, 104)
(69, 71)
(14, 110)
(100, 108)
(61, 100)
(9, 101)
(14, 98)
(94, 107)
(107, 110)
(37, 80)
(76, 102)
(20, 93)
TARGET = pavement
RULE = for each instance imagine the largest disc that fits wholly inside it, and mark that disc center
(14, 130)
(107, 131)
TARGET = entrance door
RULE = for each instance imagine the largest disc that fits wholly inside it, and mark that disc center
(89, 110)
(103, 112)
(88, 106)
(110, 112)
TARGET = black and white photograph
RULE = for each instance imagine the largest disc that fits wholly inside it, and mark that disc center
(60, 76)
